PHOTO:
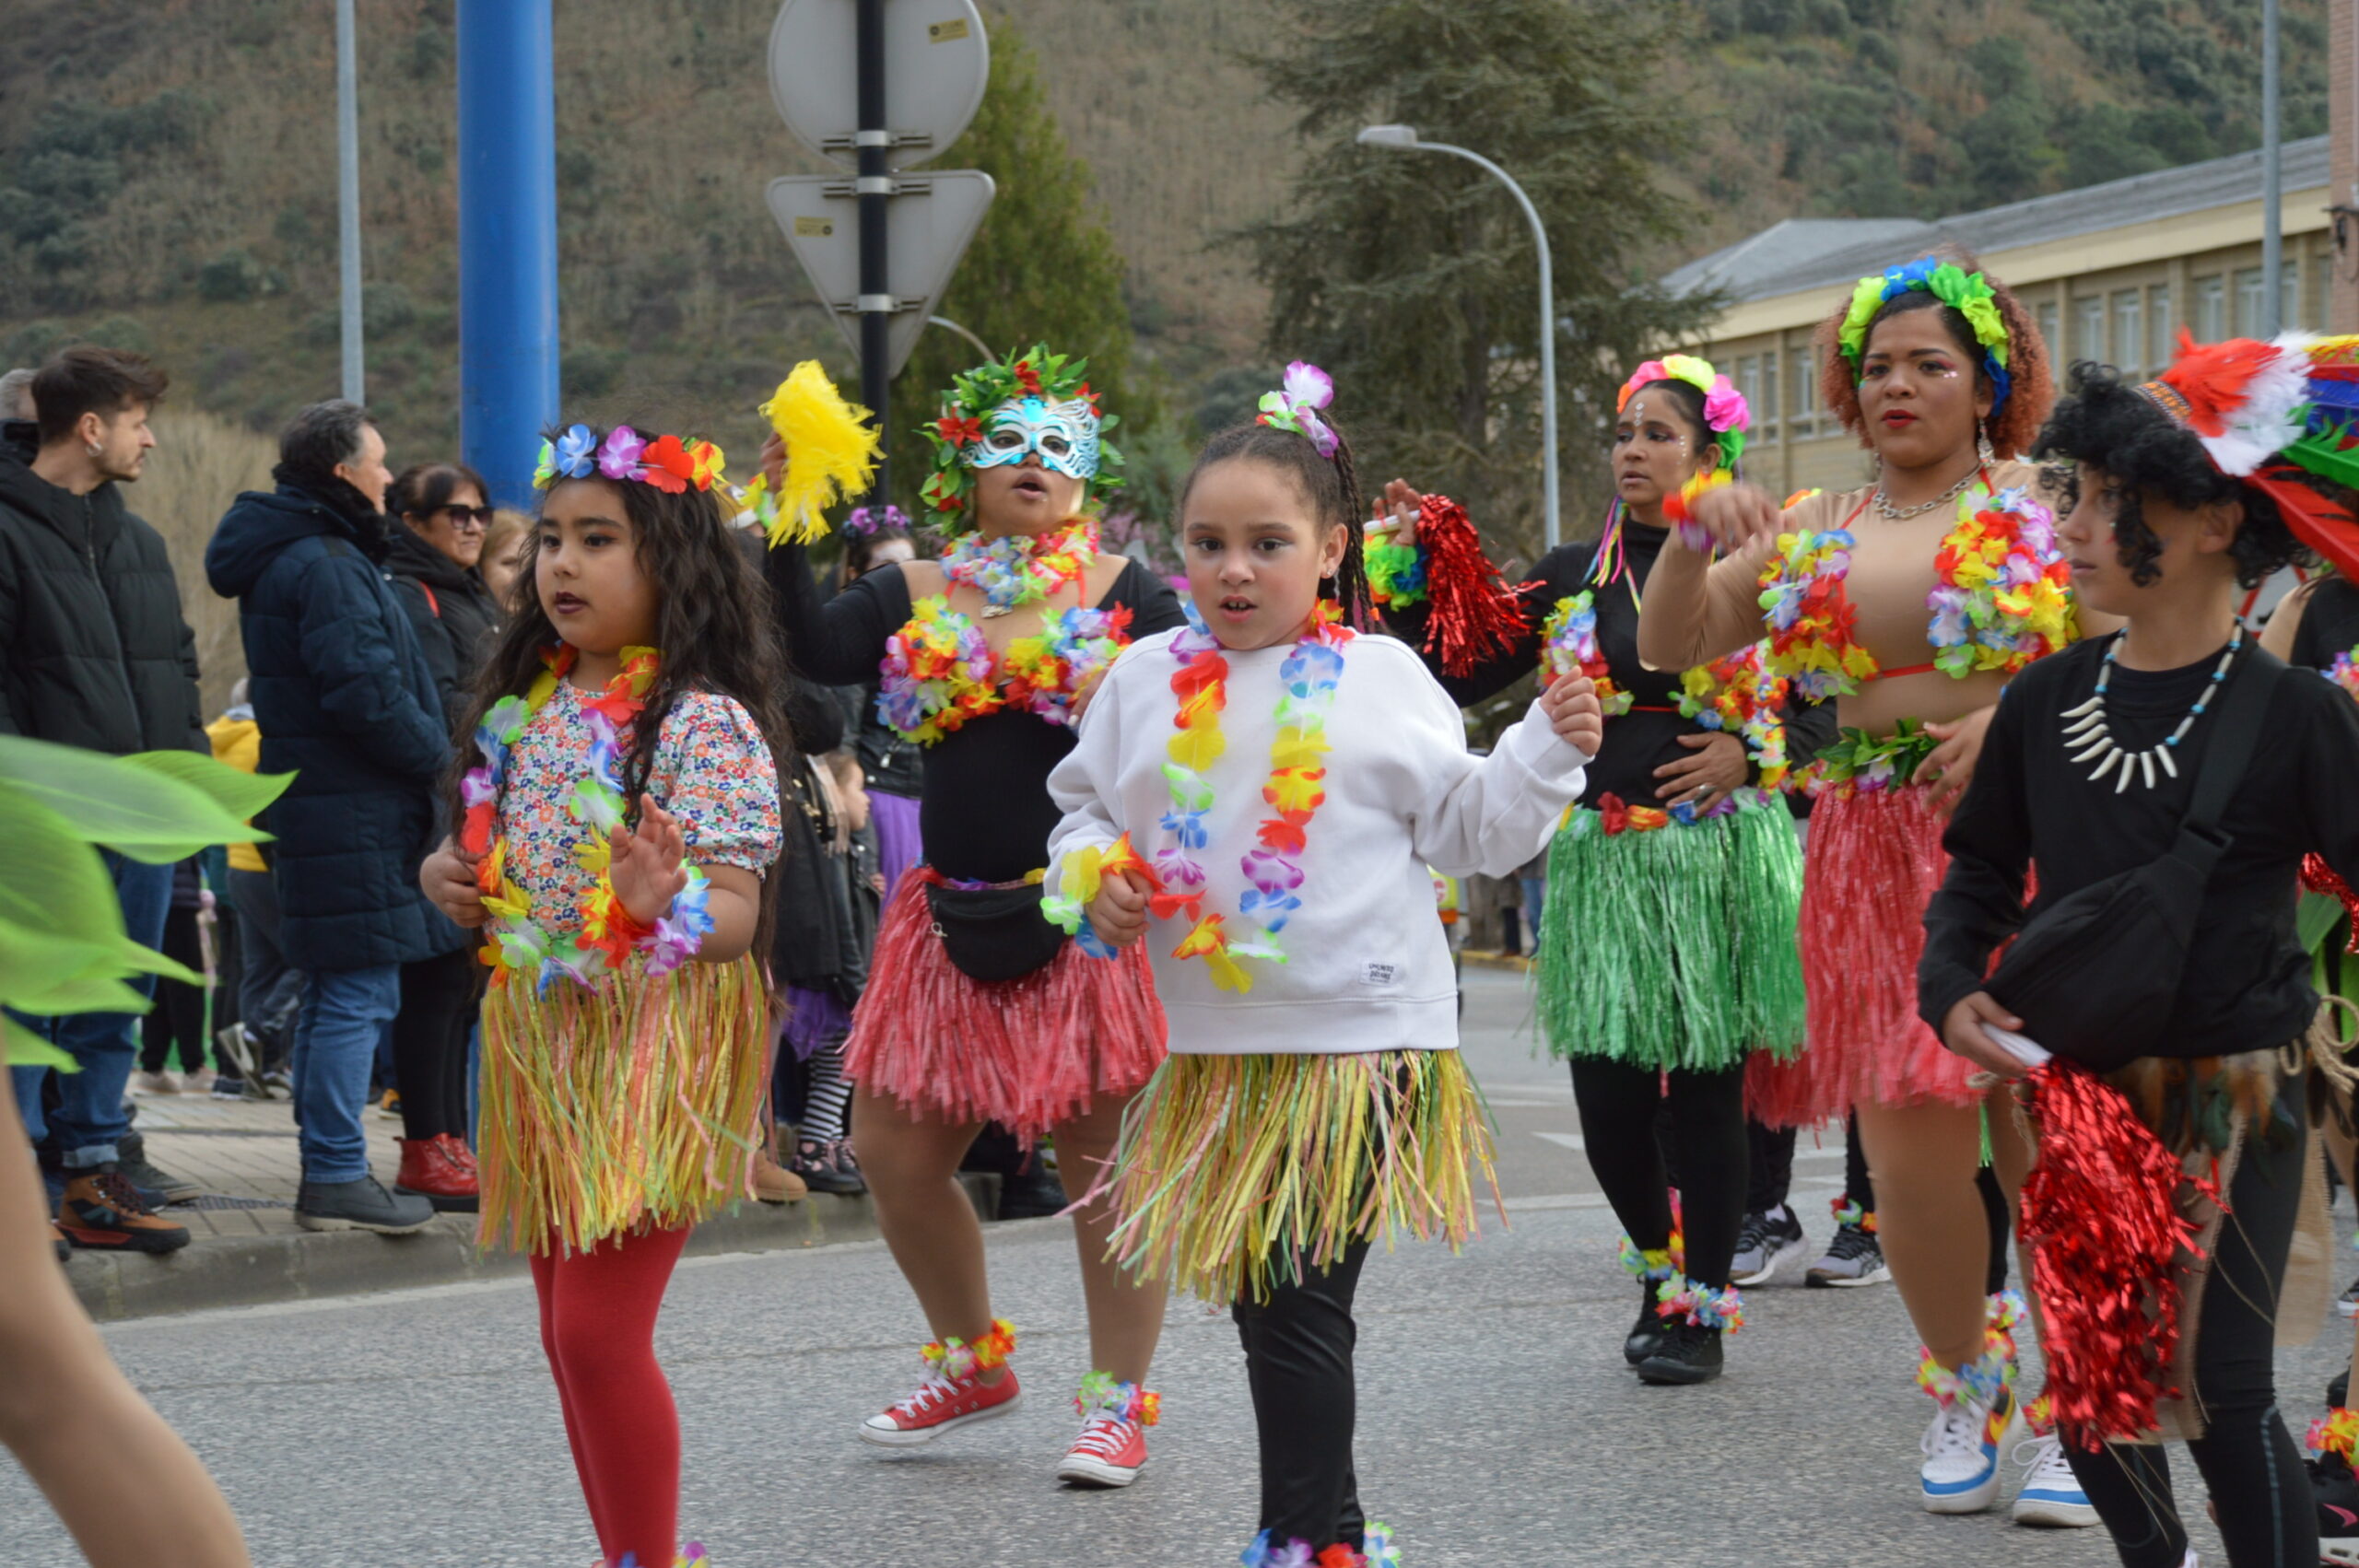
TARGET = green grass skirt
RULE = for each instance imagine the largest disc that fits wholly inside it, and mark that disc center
(1674, 948)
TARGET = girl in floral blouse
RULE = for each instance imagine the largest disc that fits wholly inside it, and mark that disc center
(619, 810)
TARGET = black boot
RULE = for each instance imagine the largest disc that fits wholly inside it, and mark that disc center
(1647, 1333)
(1687, 1355)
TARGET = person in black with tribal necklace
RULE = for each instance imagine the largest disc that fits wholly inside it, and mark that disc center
(1666, 954)
(977, 1010)
(2101, 762)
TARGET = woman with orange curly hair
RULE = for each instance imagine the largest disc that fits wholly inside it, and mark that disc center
(1911, 601)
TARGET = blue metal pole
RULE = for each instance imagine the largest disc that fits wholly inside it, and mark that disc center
(508, 341)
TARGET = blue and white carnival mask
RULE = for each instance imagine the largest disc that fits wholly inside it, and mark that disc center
(1063, 435)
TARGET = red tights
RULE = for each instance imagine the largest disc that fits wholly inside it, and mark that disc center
(598, 1326)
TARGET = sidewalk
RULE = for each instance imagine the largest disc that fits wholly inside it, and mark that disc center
(245, 1248)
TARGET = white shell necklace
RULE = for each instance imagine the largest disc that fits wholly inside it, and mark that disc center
(2086, 726)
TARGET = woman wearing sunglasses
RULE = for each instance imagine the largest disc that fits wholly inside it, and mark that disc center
(439, 513)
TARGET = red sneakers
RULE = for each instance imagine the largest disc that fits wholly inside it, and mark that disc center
(1110, 1451)
(941, 1404)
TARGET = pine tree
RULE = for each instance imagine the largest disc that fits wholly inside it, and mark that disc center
(1411, 276)
(1042, 268)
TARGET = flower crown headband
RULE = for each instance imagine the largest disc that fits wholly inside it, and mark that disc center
(1295, 404)
(869, 520)
(1726, 414)
(667, 463)
(1968, 293)
(2267, 412)
(1033, 390)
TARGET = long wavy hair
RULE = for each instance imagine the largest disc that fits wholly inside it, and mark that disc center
(713, 628)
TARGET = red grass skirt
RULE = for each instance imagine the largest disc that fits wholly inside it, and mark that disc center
(1872, 865)
(1026, 1053)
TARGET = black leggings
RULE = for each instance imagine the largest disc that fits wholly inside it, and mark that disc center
(431, 1043)
(2249, 1462)
(1772, 1166)
(1298, 1363)
(1618, 1103)
(178, 1018)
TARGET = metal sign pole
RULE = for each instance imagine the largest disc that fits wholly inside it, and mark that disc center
(347, 175)
(875, 188)
(2273, 181)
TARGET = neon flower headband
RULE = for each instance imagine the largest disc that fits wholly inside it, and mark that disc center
(669, 463)
(868, 519)
(1295, 404)
(1968, 293)
(2264, 410)
(1725, 413)
(1034, 403)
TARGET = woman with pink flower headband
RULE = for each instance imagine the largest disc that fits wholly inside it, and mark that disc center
(977, 1010)
(1665, 953)
(1911, 603)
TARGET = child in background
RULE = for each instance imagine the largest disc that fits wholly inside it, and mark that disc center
(621, 814)
(1313, 1099)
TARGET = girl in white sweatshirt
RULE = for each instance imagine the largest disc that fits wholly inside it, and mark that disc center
(1259, 797)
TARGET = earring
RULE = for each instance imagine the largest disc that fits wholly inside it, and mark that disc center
(94, 449)
(1982, 443)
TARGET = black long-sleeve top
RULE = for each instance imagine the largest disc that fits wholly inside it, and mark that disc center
(985, 814)
(2245, 985)
(1645, 738)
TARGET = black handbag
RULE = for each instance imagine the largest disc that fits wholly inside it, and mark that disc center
(2094, 977)
(991, 933)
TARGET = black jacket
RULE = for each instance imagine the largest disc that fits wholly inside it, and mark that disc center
(451, 611)
(344, 698)
(93, 649)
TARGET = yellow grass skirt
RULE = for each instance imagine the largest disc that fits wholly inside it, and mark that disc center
(1238, 1172)
(631, 1105)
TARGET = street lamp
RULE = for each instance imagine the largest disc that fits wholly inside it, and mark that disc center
(1406, 138)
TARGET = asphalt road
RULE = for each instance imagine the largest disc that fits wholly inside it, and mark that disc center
(1498, 1424)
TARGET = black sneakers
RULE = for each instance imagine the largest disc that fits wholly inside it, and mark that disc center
(2337, 1492)
(160, 1186)
(1687, 1355)
(1766, 1244)
(1646, 1334)
(361, 1205)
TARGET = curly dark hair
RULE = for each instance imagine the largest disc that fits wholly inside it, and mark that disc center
(1331, 486)
(2104, 422)
(713, 626)
(2032, 390)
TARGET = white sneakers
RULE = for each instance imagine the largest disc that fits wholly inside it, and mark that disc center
(2051, 1494)
(1962, 1446)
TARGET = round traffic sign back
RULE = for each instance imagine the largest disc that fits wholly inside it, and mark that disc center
(936, 62)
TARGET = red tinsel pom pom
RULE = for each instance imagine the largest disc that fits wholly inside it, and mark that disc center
(1475, 614)
(2319, 877)
(2101, 1213)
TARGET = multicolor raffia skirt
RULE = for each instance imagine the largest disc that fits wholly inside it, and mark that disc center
(1873, 864)
(1237, 1173)
(1027, 1053)
(1674, 947)
(635, 1104)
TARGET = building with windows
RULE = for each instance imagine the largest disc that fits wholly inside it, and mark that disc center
(2110, 271)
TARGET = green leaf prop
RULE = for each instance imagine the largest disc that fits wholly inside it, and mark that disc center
(127, 803)
(63, 946)
(2316, 919)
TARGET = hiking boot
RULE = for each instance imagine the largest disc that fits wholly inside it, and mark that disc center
(361, 1205)
(159, 1186)
(428, 1172)
(101, 1209)
(773, 1183)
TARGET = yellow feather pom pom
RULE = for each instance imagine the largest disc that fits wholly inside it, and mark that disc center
(831, 452)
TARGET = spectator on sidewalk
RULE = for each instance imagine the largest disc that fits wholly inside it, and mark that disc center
(347, 703)
(174, 1027)
(442, 514)
(16, 394)
(94, 652)
(502, 561)
(262, 1042)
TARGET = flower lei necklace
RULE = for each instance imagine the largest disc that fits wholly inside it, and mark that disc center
(2003, 597)
(1568, 647)
(1017, 569)
(608, 933)
(1295, 791)
(939, 671)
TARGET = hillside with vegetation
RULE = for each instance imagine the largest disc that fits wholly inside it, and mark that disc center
(167, 171)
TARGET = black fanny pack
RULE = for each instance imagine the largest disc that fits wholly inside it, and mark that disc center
(991, 933)
(2096, 976)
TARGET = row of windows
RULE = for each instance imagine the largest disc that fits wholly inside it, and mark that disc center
(2135, 330)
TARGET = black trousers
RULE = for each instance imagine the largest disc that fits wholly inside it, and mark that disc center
(439, 997)
(1298, 1363)
(178, 1018)
(1705, 1134)
(1772, 1172)
(2249, 1462)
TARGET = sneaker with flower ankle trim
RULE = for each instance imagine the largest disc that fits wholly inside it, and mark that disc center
(941, 1404)
(1110, 1452)
(1962, 1446)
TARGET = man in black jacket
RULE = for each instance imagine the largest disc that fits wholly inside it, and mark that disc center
(94, 652)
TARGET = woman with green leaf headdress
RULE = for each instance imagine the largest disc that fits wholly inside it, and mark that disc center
(1909, 603)
(977, 1010)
